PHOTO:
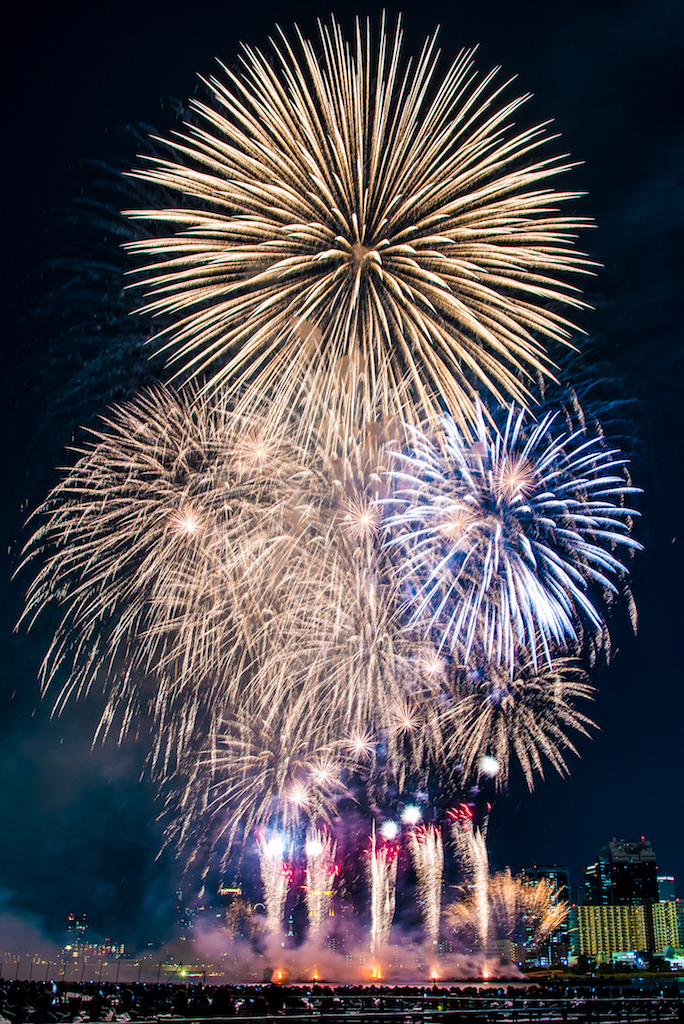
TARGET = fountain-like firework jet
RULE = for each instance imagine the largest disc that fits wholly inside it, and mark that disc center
(461, 831)
(382, 871)
(275, 877)
(462, 828)
(480, 873)
(427, 851)
(320, 878)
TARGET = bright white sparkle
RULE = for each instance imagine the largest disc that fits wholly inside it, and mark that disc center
(411, 815)
(389, 830)
(275, 847)
(489, 766)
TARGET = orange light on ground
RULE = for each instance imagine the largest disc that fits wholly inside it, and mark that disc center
(485, 971)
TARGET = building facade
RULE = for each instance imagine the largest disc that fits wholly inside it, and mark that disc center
(605, 931)
(666, 931)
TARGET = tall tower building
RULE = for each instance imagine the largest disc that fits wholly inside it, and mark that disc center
(625, 874)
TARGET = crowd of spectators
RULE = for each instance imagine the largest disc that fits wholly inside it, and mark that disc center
(23, 1002)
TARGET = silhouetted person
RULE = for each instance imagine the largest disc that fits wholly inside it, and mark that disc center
(261, 1008)
(95, 1007)
(41, 1013)
(180, 1002)
(223, 1004)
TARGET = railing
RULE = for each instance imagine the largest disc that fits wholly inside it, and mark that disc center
(452, 1010)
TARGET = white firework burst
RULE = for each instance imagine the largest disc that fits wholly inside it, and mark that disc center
(350, 223)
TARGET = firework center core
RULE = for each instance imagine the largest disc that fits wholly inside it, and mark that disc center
(360, 254)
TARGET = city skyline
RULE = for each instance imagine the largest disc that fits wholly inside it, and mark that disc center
(629, 890)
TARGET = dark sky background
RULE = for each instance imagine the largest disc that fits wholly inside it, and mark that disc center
(77, 826)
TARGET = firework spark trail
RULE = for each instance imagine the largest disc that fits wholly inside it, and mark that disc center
(495, 714)
(320, 879)
(524, 910)
(505, 540)
(480, 873)
(339, 230)
(472, 912)
(542, 909)
(168, 546)
(275, 878)
(461, 829)
(382, 872)
(345, 661)
(362, 666)
(427, 852)
(259, 774)
(508, 906)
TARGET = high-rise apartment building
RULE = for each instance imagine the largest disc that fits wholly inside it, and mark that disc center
(628, 907)
(666, 926)
(605, 931)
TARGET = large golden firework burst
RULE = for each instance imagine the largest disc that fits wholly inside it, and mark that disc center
(351, 224)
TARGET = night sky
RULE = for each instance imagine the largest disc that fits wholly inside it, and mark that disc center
(77, 826)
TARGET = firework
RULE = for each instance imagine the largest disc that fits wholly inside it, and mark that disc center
(258, 774)
(508, 539)
(512, 907)
(357, 676)
(276, 877)
(345, 661)
(427, 852)
(236, 587)
(480, 871)
(496, 715)
(382, 876)
(461, 827)
(332, 567)
(350, 224)
(167, 547)
(320, 852)
(541, 908)
(471, 912)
